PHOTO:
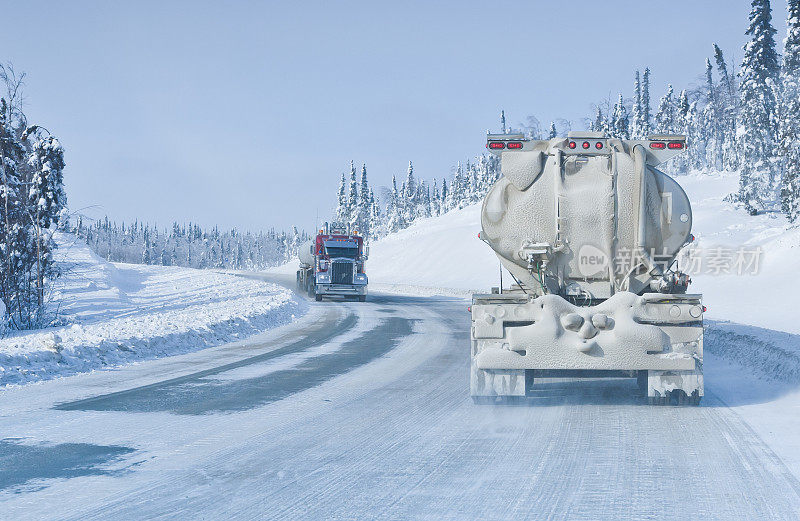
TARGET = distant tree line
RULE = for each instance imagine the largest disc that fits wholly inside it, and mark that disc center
(32, 203)
(187, 245)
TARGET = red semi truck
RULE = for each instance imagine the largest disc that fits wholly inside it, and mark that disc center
(332, 264)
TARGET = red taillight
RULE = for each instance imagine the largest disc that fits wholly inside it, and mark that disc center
(572, 144)
(659, 145)
(598, 145)
(585, 144)
(705, 309)
(514, 145)
(496, 145)
(675, 145)
(469, 308)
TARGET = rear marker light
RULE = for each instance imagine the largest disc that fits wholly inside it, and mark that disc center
(572, 144)
(469, 308)
(514, 145)
(585, 144)
(675, 145)
(496, 145)
(598, 145)
(704, 309)
(658, 145)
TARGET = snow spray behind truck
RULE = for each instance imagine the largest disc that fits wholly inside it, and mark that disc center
(590, 230)
(332, 264)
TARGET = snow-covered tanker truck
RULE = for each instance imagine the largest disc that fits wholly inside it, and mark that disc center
(333, 263)
(590, 231)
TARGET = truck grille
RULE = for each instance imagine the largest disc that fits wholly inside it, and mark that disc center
(342, 273)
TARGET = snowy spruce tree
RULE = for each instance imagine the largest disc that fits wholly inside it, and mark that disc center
(553, 133)
(352, 199)
(32, 203)
(409, 195)
(343, 204)
(364, 207)
(665, 117)
(637, 116)
(757, 130)
(645, 122)
(620, 125)
(600, 123)
(727, 101)
(790, 115)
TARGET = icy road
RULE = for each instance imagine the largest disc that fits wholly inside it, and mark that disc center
(361, 411)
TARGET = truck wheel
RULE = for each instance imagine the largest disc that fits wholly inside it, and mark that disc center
(362, 298)
(318, 298)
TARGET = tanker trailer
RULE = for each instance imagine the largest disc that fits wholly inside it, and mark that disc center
(589, 230)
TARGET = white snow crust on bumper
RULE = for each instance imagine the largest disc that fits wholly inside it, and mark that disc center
(659, 333)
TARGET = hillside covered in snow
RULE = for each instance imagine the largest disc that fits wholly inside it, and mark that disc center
(116, 313)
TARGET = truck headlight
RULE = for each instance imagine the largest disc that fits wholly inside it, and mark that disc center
(323, 277)
(360, 278)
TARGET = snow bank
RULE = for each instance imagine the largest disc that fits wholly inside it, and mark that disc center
(438, 252)
(767, 298)
(774, 354)
(119, 313)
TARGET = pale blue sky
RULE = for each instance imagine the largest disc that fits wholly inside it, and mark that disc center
(245, 113)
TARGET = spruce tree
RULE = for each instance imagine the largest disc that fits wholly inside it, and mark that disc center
(725, 78)
(757, 132)
(637, 125)
(364, 203)
(600, 124)
(665, 117)
(553, 132)
(352, 198)
(410, 195)
(620, 123)
(790, 115)
(645, 120)
(342, 210)
(727, 102)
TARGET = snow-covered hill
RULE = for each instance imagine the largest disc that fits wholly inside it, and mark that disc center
(118, 313)
(445, 253)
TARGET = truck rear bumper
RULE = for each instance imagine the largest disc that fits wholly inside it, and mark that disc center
(660, 334)
(341, 289)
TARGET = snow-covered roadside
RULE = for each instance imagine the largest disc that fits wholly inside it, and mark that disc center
(121, 313)
(766, 298)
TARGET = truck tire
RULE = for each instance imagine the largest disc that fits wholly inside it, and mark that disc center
(362, 298)
(318, 298)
